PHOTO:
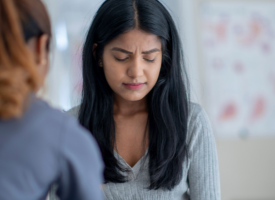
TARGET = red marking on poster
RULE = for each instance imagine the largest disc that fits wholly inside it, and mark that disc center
(239, 68)
(229, 112)
(258, 109)
(266, 48)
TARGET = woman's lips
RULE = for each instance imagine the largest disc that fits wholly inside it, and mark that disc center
(133, 86)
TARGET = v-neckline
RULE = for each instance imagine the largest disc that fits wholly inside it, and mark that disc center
(137, 163)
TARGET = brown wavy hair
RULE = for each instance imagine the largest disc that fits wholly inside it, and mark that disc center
(20, 20)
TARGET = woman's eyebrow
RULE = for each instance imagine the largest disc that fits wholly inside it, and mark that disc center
(128, 52)
(121, 50)
(151, 51)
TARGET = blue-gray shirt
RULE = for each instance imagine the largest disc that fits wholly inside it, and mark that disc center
(44, 147)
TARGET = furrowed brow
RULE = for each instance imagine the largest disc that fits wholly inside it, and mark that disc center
(121, 50)
(151, 51)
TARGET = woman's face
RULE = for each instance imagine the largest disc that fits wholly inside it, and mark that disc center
(132, 63)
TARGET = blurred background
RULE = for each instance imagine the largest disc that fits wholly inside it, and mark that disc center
(230, 56)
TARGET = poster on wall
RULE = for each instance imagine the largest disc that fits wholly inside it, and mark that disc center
(238, 48)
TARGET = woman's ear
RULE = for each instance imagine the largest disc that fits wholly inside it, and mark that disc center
(94, 50)
(94, 53)
(43, 54)
(38, 47)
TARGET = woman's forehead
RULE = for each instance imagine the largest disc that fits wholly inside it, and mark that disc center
(136, 38)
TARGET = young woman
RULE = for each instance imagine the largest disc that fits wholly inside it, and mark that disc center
(39, 146)
(156, 144)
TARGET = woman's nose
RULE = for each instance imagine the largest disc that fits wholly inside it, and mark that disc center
(135, 69)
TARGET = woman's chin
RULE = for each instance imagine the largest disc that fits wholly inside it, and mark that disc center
(133, 97)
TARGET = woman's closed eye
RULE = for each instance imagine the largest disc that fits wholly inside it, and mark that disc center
(124, 59)
(121, 60)
(148, 60)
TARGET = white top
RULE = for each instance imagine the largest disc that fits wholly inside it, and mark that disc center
(200, 179)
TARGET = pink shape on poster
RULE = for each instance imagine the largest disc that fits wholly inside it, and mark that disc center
(228, 112)
(239, 68)
(258, 108)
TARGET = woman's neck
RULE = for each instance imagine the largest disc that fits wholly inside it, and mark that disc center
(128, 108)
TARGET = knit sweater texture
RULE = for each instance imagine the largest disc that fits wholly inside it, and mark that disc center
(200, 180)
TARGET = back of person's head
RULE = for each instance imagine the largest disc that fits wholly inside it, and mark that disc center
(21, 21)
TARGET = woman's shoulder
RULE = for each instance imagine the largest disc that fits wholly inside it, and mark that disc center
(61, 126)
(195, 108)
(74, 111)
(43, 124)
(199, 124)
(41, 112)
(195, 112)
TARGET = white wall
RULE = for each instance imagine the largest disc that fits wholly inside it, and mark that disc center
(183, 13)
(58, 89)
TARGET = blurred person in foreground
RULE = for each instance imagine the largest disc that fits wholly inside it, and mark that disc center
(39, 146)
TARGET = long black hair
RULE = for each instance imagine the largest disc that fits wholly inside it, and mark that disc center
(168, 105)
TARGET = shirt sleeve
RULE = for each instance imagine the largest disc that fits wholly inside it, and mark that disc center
(81, 166)
(203, 174)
